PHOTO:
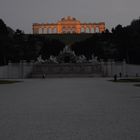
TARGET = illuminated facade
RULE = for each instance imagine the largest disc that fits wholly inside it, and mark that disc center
(68, 25)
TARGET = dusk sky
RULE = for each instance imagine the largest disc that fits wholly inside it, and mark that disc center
(22, 13)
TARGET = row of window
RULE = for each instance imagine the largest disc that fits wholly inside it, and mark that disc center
(68, 30)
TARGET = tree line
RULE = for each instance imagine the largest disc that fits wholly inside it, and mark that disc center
(16, 46)
(121, 43)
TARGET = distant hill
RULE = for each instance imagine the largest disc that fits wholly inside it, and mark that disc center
(67, 38)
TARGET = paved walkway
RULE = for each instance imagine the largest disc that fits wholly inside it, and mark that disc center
(69, 109)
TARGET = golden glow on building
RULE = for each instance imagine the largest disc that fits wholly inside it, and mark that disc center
(68, 25)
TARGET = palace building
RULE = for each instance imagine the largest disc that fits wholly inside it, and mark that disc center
(68, 25)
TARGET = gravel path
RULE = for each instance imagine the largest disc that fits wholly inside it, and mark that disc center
(69, 109)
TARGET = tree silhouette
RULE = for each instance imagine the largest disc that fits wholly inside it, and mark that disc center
(121, 43)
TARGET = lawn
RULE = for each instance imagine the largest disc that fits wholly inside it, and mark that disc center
(127, 80)
(8, 81)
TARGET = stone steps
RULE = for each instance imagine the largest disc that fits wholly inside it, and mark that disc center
(64, 75)
(63, 70)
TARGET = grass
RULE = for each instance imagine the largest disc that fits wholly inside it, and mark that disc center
(137, 85)
(8, 82)
(127, 80)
